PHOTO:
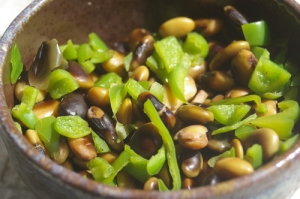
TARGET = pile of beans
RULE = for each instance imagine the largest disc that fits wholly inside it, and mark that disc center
(223, 74)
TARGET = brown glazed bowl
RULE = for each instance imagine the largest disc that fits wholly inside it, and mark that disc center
(113, 20)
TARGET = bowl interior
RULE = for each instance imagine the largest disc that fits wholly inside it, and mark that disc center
(113, 21)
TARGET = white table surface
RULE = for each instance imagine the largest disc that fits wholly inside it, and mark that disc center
(9, 9)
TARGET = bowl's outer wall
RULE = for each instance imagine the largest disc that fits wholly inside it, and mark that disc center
(113, 20)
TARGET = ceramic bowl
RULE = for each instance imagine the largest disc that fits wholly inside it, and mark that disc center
(112, 20)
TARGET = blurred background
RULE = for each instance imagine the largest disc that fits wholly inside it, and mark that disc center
(11, 186)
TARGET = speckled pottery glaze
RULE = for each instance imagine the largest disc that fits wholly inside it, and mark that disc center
(113, 20)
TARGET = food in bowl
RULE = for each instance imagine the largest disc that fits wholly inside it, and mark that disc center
(187, 106)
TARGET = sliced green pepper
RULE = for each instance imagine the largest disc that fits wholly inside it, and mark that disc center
(229, 153)
(96, 43)
(235, 125)
(168, 143)
(29, 96)
(108, 79)
(100, 169)
(261, 108)
(134, 89)
(117, 93)
(244, 131)
(229, 114)
(254, 155)
(21, 113)
(195, 44)
(70, 51)
(268, 77)
(169, 51)
(61, 82)
(283, 122)
(72, 126)
(100, 145)
(257, 33)
(286, 145)
(137, 167)
(16, 64)
(49, 136)
(156, 162)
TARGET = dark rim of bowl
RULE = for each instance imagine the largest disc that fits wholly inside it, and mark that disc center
(72, 179)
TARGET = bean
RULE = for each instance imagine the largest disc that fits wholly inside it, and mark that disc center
(239, 150)
(188, 183)
(178, 27)
(237, 92)
(142, 51)
(242, 66)
(83, 147)
(141, 73)
(219, 144)
(33, 138)
(209, 27)
(80, 163)
(232, 167)
(211, 180)
(73, 104)
(125, 180)
(219, 61)
(83, 79)
(146, 140)
(218, 81)
(151, 184)
(192, 137)
(195, 71)
(104, 126)
(63, 152)
(68, 165)
(192, 114)
(271, 106)
(19, 88)
(267, 138)
(235, 17)
(110, 157)
(46, 108)
(192, 163)
(200, 97)
(98, 96)
(136, 36)
(124, 114)
(115, 64)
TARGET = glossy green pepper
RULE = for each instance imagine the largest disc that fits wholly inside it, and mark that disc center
(257, 33)
(283, 122)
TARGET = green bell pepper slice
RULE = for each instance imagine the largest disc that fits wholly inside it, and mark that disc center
(257, 33)
(268, 77)
(254, 155)
(61, 82)
(229, 153)
(287, 144)
(156, 162)
(29, 97)
(229, 114)
(49, 136)
(195, 44)
(16, 64)
(97, 43)
(100, 169)
(261, 107)
(72, 126)
(168, 143)
(100, 145)
(169, 52)
(21, 113)
(108, 79)
(70, 51)
(283, 122)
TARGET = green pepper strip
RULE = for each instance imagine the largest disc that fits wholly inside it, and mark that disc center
(234, 126)
(286, 145)
(282, 122)
(100, 145)
(137, 166)
(20, 112)
(16, 64)
(254, 155)
(156, 162)
(168, 143)
(261, 108)
(162, 186)
(229, 153)
(121, 161)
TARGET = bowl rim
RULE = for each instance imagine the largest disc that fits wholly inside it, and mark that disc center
(72, 179)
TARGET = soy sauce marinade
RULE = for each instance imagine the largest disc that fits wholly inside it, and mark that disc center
(176, 110)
